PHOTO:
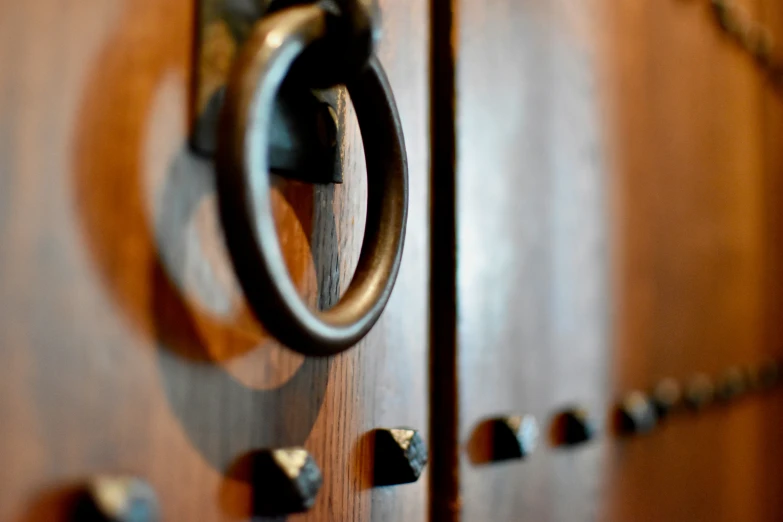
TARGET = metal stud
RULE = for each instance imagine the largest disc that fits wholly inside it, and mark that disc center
(728, 16)
(699, 392)
(573, 426)
(753, 377)
(762, 377)
(731, 385)
(285, 481)
(636, 414)
(400, 456)
(514, 437)
(759, 42)
(666, 397)
(769, 375)
(118, 498)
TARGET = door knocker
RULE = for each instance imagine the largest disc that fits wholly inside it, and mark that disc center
(242, 165)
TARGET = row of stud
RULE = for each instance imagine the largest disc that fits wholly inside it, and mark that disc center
(639, 412)
(287, 480)
(516, 436)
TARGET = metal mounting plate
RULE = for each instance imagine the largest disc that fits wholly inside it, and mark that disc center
(305, 131)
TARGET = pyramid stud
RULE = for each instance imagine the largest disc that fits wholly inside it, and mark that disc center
(770, 374)
(285, 480)
(666, 397)
(636, 414)
(763, 377)
(514, 437)
(400, 456)
(118, 498)
(700, 392)
(572, 427)
(731, 385)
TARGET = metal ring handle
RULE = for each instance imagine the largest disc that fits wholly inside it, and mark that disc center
(243, 190)
(353, 30)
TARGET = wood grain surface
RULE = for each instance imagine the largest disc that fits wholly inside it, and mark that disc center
(697, 261)
(533, 241)
(619, 222)
(618, 212)
(125, 343)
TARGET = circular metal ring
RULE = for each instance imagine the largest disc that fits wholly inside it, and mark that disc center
(244, 190)
(353, 30)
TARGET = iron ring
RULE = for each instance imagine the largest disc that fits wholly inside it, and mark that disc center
(244, 190)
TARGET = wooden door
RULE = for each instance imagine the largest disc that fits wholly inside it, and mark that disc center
(125, 343)
(618, 224)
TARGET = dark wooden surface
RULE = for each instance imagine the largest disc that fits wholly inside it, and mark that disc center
(698, 261)
(125, 344)
(533, 242)
(619, 222)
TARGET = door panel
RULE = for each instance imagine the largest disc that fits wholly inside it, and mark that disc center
(618, 223)
(696, 262)
(126, 343)
(533, 247)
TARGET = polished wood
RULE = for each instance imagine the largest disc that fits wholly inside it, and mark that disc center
(533, 285)
(618, 223)
(697, 261)
(126, 343)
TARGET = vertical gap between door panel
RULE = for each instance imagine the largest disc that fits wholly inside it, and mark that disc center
(444, 389)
